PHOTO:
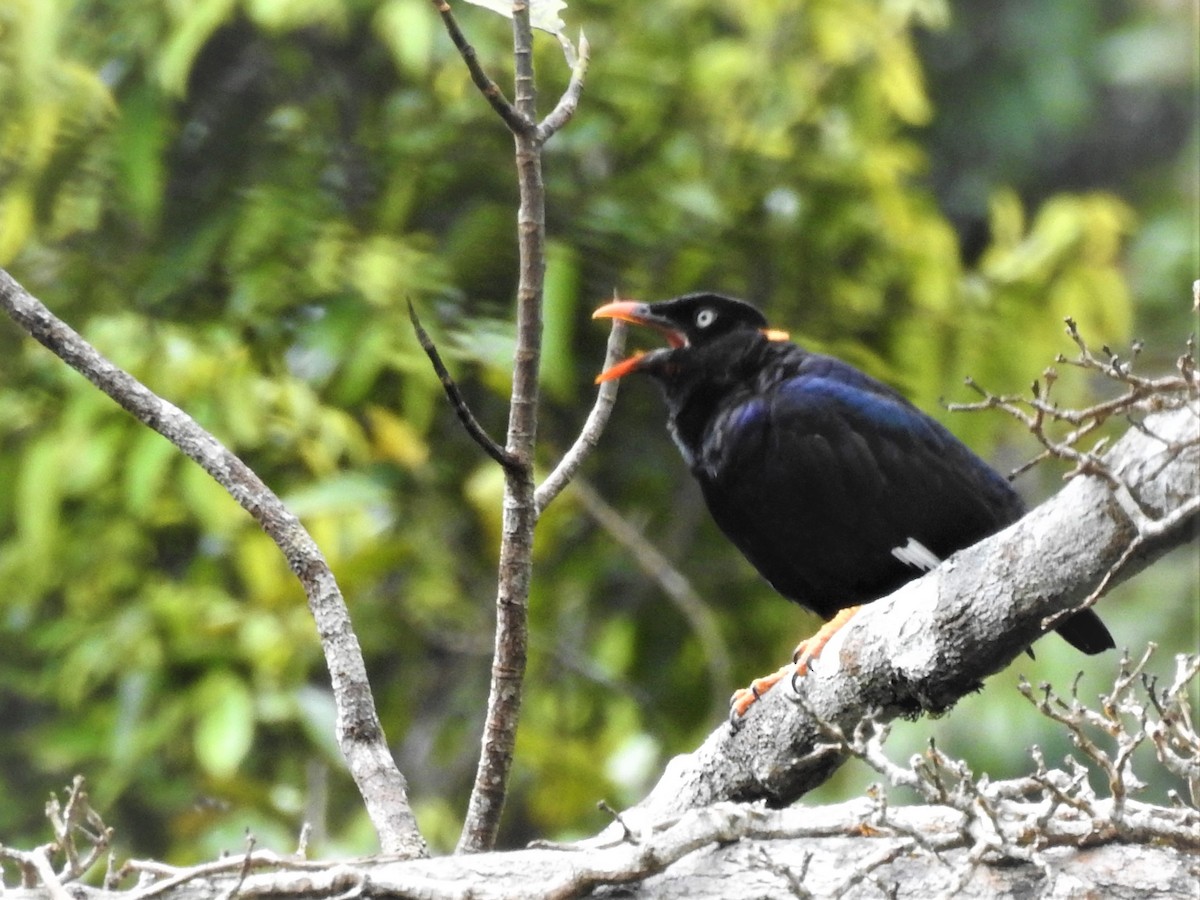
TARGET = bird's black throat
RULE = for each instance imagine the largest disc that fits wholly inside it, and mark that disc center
(697, 382)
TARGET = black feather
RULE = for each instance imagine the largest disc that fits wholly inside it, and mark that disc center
(814, 470)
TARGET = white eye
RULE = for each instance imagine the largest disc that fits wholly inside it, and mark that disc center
(705, 317)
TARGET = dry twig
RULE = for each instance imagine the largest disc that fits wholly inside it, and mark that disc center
(69, 821)
(477, 432)
(593, 427)
(1142, 396)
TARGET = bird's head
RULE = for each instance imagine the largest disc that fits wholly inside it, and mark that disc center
(691, 322)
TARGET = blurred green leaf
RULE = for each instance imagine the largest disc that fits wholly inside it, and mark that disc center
(194, 24)
(407, 29)
(147, 466)
(225, 724)
(280, 15)
(318, 716)
(559, 315)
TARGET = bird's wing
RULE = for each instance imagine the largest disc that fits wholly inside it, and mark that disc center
(820, 478)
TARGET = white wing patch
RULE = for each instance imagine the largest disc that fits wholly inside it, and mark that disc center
(917, 555)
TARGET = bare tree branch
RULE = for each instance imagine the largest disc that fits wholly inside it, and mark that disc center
(593, 427)
(1141, 397)
(520, 508)
(359, 733)
(516, 122)
(477, 432)
(521, 504)
(742, 852)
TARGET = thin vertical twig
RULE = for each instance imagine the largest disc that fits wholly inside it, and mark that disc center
(522, 504)
(520, 509)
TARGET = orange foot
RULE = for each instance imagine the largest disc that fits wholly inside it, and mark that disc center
(807, 651)
(744, 698)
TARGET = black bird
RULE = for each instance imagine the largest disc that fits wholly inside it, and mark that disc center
(834, 486)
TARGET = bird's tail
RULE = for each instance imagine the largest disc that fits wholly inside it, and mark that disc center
(1084, 631)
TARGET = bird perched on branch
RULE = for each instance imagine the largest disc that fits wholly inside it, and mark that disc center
(834, 486)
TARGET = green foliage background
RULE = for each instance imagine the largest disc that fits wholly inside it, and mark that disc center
(233, 199)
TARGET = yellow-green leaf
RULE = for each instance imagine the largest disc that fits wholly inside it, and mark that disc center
(225, 725)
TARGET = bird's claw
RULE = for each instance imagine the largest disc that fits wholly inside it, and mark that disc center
(803, 661)
(736, 721)
(795, 682)
(743, 699)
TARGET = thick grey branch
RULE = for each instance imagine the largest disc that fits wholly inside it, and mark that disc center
(731, 851)
(936, 639)
(359, 732)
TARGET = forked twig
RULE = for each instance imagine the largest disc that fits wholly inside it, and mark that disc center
(516, 123)
(521, 505)
(1141, 396)
(519, 515)
(569, 102)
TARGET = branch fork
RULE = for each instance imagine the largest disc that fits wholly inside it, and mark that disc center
(523, 501)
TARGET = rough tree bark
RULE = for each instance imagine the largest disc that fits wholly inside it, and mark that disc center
(729, 852)
(935, 639)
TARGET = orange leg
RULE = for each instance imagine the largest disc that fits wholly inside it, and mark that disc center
(744, 698)
(808, 650)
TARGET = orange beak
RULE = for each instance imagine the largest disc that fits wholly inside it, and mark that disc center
(637, 314)
(624, 367)
(640, 314)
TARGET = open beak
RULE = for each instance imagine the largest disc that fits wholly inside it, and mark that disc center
(641, 314)
(637, 314)
(624, 367)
